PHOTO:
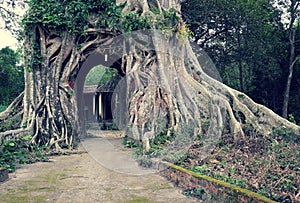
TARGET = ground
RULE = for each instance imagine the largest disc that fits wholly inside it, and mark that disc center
(268, 165)
(81, 178)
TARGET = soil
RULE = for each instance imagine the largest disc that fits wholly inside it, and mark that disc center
(268, 165)
(81, 178)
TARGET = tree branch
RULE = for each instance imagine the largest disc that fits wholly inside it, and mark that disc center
(295, 60)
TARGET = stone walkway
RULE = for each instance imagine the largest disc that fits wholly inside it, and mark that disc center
(106, 174)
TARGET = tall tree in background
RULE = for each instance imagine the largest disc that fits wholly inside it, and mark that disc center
(248, 45)
(172, 87)
(11, 76)
(293, 10)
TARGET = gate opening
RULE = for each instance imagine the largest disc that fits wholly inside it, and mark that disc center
(98, 90)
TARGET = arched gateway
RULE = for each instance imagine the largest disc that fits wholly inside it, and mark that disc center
(165, 87)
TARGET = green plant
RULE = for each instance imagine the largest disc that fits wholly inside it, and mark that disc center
(10, 124)
(175, 157)
(205, 170)
(133, 21)
(129, 143)
(241, 96)
(292, 118)
(285, 134)
(199, 193)
(195, 192)
(262, 192)
(163, 138)
(200, 136)
(24, 125)
(20, 151)
(201, 169)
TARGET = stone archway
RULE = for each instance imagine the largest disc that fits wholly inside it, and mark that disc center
(96, 104)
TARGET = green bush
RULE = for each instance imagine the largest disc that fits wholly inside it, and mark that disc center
(16, 152)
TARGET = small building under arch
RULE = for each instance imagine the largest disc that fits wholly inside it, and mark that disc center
(97, 101)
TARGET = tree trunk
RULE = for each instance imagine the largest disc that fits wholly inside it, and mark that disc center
(164, 86)
(240, 65)
(290, 76)
(293, 59)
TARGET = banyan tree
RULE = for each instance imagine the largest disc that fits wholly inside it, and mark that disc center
(164, 84)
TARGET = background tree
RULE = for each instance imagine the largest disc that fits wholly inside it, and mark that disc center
(293, 10)
(161, 82)
(248, 45)
(11, 76)
(99, 75)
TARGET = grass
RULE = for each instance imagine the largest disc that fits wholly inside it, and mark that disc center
(12, 198)
(36, 189)
(138, 199)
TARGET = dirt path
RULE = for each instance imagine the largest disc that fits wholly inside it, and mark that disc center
(81, 178)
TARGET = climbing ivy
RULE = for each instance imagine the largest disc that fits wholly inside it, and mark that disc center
(73, 15)
(167, 19)
(133, 21)
(76, 16)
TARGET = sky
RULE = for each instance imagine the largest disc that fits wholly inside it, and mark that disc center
(6, 38)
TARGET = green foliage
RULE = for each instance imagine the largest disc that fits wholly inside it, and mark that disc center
(162, 138)
(291, 118)
(241, 96)
(72, 16)
(167, 19)
(158, 149)
(196, 192)
(11, 76)
(129, 143)
(2, 107)
(16, 152)
(205, 170)
(76, 16)
(8, 125)
(285, 134)
(108, 74)
(275, 158)
(94, 75)
(249, 46)
(144, 161)
(133, 21)
(36, 58)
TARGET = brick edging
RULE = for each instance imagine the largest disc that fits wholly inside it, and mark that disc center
(218, 189)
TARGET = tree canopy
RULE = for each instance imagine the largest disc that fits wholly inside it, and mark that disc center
(250, 46)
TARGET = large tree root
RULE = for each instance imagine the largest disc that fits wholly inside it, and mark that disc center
(13, 109)
(171, 90)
